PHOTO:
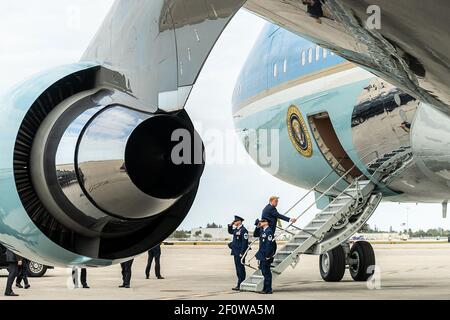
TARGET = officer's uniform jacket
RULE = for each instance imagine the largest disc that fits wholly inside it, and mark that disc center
(240, 240)
(265, 251)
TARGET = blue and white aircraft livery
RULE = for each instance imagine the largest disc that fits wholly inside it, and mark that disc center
(330, 100)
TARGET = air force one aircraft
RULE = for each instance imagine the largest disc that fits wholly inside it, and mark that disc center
(87, 176)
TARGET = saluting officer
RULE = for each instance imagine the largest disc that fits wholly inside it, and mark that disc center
(270, 213)
(265, 253)
(238, 247)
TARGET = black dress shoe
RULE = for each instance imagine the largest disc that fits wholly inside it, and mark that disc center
(147, 277)
(127, 286)
(85, 286)
(160, 278)
(236, 289)
(27, 286)
(122, 286)
(11, 294)
(266, 292)
(18, 285)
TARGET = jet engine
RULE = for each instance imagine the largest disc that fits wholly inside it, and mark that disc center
(87, 175)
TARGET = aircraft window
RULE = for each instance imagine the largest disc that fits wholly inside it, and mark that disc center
(275, 70)
(325, 53)
(317, 53)
(303, 57)
(310, 55)
(285, 66)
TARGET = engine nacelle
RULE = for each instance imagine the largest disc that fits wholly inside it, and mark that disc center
(85, 179)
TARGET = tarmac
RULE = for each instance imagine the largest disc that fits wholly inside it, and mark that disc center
(404, 271)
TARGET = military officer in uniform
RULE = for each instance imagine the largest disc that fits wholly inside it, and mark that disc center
(238, 247)
(270, 213)
(126, 273)
(265, 253)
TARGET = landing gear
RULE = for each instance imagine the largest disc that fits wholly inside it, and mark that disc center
(332, 265)
(361, 261)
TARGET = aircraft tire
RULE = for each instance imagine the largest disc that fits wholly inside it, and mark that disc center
(364, 255)
(332, 265)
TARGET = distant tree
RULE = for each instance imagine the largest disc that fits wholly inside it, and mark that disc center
(370, 230)
(213, 226)
(207, 236)
(198, 233)
(180, 234)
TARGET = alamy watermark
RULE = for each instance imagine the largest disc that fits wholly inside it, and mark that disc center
(374, 282)
(373, 22)
(222, 148)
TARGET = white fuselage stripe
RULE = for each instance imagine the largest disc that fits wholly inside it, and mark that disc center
(315, 86)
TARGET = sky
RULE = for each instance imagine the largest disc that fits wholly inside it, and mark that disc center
(39, 35)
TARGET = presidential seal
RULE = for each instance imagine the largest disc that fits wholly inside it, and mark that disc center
(298, 132)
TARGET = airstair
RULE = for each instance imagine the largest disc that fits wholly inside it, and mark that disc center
(345, 215)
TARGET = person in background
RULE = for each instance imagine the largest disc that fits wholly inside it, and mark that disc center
(238, 247)
(154, 253)
(83, 277)
(14, 262)
(126, 273)
(271, 214)
(22, 274)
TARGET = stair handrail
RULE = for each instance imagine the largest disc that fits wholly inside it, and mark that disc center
(292, 224)
(296, 203)
(285, 230)
(326, 191)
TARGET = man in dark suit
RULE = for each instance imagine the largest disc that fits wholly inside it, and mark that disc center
(154, 253)
(126, 273)
(265, 253)
(238, 247)
(22, 274)
(271, 214)
(13, 262)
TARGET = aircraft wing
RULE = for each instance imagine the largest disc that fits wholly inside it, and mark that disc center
(161, 47)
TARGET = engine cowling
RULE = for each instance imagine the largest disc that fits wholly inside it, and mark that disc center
(85, 178)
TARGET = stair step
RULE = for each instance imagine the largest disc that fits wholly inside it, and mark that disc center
(254, 279)
(298, 241)
(278, 260)
(330, 211)
(314, 224)
(249, 286)
(334, 204)
(344, 197)
(325, 215)
(284, 253)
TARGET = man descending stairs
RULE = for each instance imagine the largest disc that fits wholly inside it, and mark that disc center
(345, 215)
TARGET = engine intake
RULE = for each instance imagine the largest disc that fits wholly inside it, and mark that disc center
(97, 177)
